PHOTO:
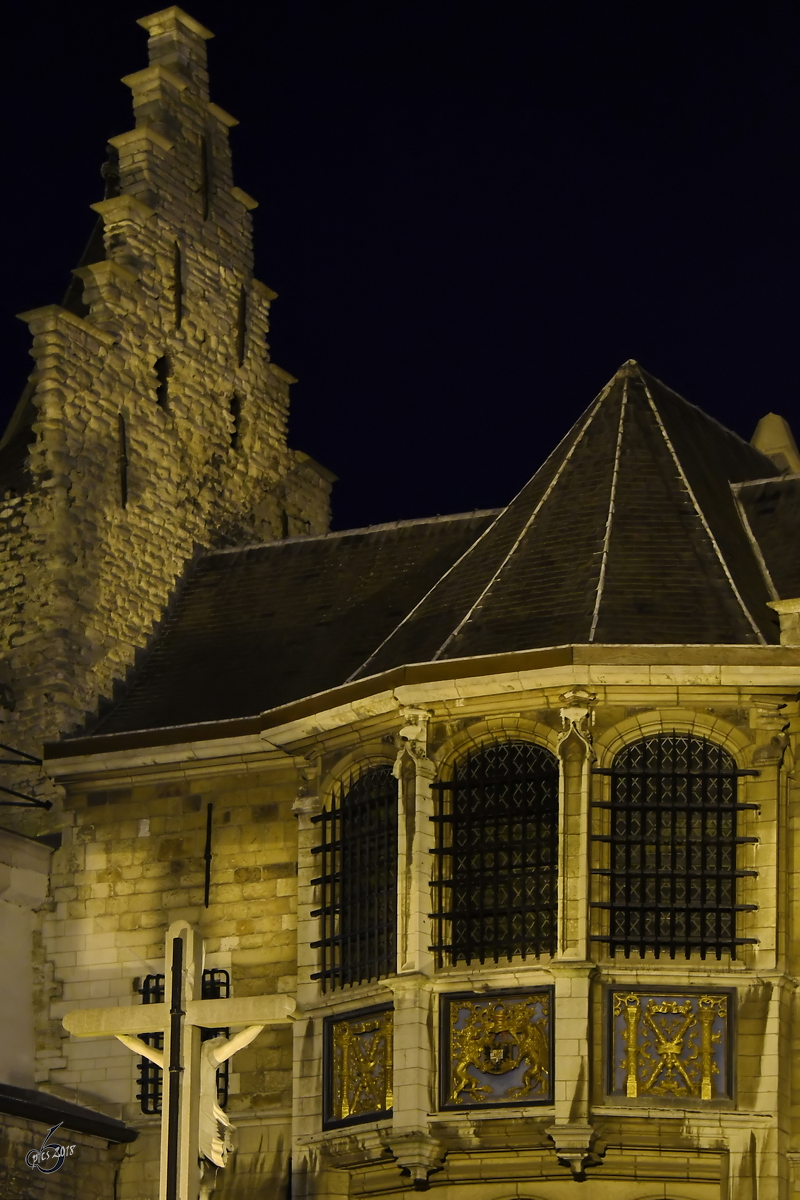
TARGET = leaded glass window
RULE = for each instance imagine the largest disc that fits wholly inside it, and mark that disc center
(671, 870)
(357, 855)
(496, 877)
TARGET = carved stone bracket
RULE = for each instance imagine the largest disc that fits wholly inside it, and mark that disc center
(576, 1147)
(418, 1154)
(577, 717)
(412, 740)
(769, 718)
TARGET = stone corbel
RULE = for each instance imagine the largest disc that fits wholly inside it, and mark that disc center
(770, 721)
(412, 740)
(576, 1147)
(789, 613)
(418, 1155)
(307, 803)
(577, 717)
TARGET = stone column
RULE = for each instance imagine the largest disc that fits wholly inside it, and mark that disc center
(414, 1062)
(572, 1133)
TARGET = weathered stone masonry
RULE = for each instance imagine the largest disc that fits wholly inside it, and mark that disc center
(160, 421)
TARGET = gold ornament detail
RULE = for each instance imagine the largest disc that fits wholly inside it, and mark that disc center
(670, 1045)
(361, 1065)
(499, 1049)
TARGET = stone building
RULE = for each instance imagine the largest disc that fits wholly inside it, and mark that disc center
(486, 822)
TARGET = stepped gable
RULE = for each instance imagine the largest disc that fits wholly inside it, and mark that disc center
(628, 534)
(771, 508)
(259, 627)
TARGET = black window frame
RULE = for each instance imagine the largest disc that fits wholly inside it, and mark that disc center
(671, 890)
(522, 925)
(357, 853)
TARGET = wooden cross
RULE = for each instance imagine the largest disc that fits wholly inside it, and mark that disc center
(188, 1130)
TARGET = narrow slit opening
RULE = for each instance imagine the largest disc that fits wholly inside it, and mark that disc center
(241, 326)
(235, 411)
(163, 369)
(122, 461)
(177, 285)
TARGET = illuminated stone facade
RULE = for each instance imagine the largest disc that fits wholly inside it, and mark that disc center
(504, 802)
(155, 421)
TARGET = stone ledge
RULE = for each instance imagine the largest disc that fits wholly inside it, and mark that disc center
(222, 115)
(166, 20)
(123, 208)
(248, 202)
(50, 316)
(156, 74)
(141, 134)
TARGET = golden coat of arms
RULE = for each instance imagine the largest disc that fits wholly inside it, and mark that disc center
(497, 1049)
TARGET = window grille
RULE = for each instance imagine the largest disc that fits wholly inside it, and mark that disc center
(216, 985)
(358, 881)
(671, 869)
(496, 877)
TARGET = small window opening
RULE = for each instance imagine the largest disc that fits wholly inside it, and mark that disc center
(241, 326)
(206, 175)
(177, 285)
(122, 460)
(163, 369)
(357, 855)
(235, 410)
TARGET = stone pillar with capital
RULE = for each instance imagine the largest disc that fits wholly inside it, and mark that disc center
(572, 1133)
(414, 1056)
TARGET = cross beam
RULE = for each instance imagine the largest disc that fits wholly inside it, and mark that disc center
(181, 1020)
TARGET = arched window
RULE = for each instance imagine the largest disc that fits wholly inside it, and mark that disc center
(672, 869)
(358, 880)
(496, 882)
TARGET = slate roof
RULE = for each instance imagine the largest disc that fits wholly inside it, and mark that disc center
(254, 628)
(649, 524)
(772, 510)
(628, 534)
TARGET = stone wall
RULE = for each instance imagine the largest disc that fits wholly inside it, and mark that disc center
(159, 420)
(133, 864)
(89, 1173)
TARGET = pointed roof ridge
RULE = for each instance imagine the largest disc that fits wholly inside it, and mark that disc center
(381, 527)
(628, 531)
(593, 409)
(644, 375)
(697, 506)
(612, 495)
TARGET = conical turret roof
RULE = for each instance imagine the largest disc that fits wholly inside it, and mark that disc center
(629, 533)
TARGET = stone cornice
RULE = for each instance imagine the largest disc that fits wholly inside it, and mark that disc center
(733, 667)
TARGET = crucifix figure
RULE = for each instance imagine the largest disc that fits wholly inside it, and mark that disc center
(195, 1132)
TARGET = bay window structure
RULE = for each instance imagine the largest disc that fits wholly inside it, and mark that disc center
(496, 873)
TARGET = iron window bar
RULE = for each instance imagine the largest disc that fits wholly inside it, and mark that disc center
(672, 848)
(215, 985)
(23, 759)
(495, 882)
(358, 880)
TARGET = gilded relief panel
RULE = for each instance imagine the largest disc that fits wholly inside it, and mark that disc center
(496, 1048)
(670, 1044)
(357, 1051)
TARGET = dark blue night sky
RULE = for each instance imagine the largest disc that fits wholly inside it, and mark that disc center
(472, 212)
